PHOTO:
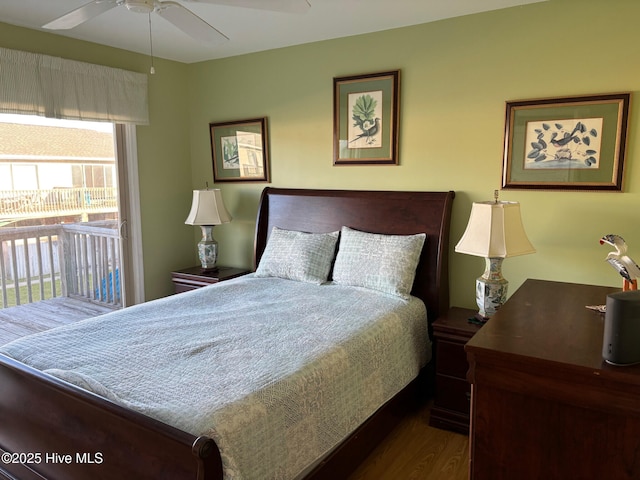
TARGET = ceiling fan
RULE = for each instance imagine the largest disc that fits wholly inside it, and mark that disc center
(175, 13)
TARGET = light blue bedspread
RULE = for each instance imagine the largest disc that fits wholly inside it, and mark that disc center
(277, 372)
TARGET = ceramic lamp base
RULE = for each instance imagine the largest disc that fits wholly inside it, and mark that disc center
(208, 249)
(491, 289)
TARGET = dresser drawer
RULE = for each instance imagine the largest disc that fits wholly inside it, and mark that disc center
(453, 394)
(451, 359)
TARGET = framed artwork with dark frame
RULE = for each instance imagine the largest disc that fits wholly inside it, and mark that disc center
(572, 143)
(366, 119)
(240, 151)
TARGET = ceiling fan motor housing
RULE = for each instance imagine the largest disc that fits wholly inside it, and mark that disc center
(140, 6)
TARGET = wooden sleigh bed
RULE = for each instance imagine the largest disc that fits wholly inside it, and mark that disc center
(53, 430)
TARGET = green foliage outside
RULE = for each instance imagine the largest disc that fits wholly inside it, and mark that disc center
(35, 292)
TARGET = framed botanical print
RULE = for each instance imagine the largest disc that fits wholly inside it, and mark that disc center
(366, 119)
(573, 143)
(240, 151)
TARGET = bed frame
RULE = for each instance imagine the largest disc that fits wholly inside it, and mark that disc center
(52, 430)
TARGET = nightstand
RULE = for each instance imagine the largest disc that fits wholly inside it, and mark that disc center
(452, 401)
(192, 278)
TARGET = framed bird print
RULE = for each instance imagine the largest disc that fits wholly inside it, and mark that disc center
(366, 119)
(240, 151)
(573, 143)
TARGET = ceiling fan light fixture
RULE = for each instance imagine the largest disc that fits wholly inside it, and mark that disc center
(140, 6)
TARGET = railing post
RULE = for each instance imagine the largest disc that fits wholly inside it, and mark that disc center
(67, 262)
(14, 265)
(3, 277)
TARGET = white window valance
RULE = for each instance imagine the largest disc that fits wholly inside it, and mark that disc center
(35, 84)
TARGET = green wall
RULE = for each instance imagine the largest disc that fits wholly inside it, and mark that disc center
(456, 76)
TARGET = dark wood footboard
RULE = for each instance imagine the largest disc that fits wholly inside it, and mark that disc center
(52, 430)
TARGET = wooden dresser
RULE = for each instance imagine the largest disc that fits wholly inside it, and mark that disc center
(544, 402)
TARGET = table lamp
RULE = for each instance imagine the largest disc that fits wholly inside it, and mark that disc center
(494, 232)
(208, 210)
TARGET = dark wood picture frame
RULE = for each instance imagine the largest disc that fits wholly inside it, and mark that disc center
(366, 119)
(240, 151)
(571, 143)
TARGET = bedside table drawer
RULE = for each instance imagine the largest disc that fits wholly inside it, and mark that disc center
(193, 277)
(451, 406)
(181, 288)
(451, 359)
(453, 394)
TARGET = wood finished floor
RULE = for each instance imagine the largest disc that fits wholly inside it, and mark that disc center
(416, 451)
(16, 322)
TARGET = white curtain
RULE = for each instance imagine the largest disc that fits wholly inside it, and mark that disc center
(35, 84)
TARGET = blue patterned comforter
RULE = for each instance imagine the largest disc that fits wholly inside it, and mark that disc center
(277, 372)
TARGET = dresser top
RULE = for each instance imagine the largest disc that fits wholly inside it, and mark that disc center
(547, 322)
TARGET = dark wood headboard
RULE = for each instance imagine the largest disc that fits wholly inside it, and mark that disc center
(388, 212)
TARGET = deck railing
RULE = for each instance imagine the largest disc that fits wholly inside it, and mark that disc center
(79, 260)
(57, 201)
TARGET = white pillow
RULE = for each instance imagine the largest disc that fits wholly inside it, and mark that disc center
(380, 262)
(301, 256)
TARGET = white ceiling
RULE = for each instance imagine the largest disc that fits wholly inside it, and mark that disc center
(248, 30)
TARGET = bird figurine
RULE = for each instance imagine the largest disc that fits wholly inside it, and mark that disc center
(624, 265)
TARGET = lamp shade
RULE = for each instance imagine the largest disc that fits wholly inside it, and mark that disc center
(495, 231)
(207, 208)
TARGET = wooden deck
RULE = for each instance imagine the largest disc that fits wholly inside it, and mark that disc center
(35, 317)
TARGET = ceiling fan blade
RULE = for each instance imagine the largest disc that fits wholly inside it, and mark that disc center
(289, 6)
(189, 22)
(81, 14)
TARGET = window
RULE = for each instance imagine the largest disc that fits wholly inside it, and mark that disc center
(56, 170)
(59, 191)
(33, 83)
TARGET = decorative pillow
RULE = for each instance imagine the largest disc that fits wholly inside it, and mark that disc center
(301, 256)
(380, 262)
